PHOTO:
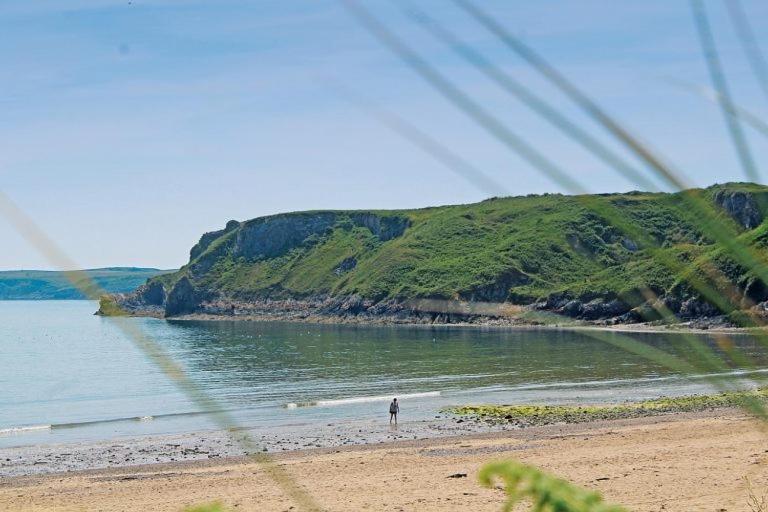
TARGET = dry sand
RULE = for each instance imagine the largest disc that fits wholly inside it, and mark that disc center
(684, 462)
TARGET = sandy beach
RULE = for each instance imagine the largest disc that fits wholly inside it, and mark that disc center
(680, 462)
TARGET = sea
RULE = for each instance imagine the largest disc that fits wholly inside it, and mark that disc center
(67, 375)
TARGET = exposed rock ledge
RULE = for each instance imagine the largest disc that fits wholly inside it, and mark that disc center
(356, 310)
(319, 309)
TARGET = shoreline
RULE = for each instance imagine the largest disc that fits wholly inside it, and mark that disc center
(702, 325)
(207, 444)
(201, 445)
(577, 325)
(652, 463)
(354, 310)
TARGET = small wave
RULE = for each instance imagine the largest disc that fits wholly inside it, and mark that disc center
(79, 424)
(21, 430)
(359, 400)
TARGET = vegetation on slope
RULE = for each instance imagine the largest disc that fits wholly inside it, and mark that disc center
(546, 249)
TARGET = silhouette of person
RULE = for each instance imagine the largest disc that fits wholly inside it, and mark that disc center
(394, 408)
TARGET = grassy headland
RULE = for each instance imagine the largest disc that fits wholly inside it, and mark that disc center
(551, 250)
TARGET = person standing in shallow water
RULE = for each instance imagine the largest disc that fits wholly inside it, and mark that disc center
(394, 408)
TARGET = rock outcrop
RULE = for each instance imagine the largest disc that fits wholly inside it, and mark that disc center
(274, 236)
(185, 298)
(497, 290)
(385, 227)
(740, 205)
(207, 238)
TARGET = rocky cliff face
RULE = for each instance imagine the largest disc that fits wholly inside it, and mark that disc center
(208, 238)
(275, 236)
(256, 240)
(384, 227)
(742, 206)
(185, 298)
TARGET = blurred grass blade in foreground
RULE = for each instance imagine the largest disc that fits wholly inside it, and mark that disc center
(749, 43)
(749, 118)
(473, 109)
(709, 220)
(153, 351)
(720, 84)
(546, 492)
(530, 99)
(425, 142)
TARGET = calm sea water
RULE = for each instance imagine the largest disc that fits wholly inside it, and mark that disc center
(66, 375)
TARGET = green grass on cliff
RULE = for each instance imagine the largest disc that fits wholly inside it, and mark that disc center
(520, 249)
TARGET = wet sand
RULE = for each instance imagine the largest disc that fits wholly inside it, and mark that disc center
(680, 462)
(212, 444)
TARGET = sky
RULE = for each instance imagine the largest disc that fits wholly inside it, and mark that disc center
(129, 128)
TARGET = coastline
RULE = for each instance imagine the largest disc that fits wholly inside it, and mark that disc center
(456, 421)
(652, 463)
(216, 444)
(490, 323)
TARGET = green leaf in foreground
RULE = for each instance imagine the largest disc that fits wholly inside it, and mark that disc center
(548, 493)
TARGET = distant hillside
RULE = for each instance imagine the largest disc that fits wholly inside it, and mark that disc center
(51, 285)
(548, 252)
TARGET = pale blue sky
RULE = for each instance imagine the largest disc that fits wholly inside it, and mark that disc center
(130, 128)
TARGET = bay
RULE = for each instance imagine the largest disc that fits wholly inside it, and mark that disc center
(67, 375)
